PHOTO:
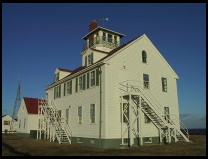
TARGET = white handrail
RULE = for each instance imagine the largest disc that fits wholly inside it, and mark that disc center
(153, 99)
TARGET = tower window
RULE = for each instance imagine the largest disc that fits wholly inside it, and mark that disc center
(110, 38)
(144, 56)
(104, 36)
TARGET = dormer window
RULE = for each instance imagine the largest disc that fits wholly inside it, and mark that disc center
(90, 59)
(144, 56)
(56, 77)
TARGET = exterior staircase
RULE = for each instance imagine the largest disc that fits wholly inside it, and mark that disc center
(56, 127)
(142, 99)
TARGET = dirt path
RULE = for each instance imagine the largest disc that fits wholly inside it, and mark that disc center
(14, 145)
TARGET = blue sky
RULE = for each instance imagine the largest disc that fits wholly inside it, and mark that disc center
(37, 38)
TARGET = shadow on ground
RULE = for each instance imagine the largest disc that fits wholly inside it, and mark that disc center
(12, 150)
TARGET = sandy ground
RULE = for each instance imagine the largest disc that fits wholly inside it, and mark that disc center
(14, 145)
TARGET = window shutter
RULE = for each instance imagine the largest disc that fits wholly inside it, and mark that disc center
(70, 87)
(64, 88)
(88, 79)
(84, 82)
(76, 85)
(97, 77)
(85, 60)
(91, 58)
(59, 91)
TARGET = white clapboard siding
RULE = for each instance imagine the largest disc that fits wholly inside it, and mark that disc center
(81, 98)
(22, 116)
(156, 67)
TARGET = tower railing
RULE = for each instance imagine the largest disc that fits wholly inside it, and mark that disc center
(101, 41)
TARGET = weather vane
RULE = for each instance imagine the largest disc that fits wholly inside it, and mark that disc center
(104, 19)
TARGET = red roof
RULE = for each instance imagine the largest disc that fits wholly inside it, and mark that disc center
(31, 105)
(66, 70)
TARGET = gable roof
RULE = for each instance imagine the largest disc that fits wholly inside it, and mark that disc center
(109, 54)
(104, 29)
(31, 105)
(114, 51)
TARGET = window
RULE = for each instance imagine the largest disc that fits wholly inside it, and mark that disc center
(147, 140)
(164, 84)
(56, 77)
(92, 78)
(167, 113)
(80, 115)
(46, 96)
(92, 113)
(146, 81)
(97, 38)
(80, 83)
(57, 92)
(6, 122)
(79, 139)
(125, 112)
(115, 39)
(110, 38)
(126, 140)
(69, 87)
(90, 59)
(104, 36)
(144, 56)
(67, 115)
(92, 141)
(24, 122)
(146, 119)
(59, 113)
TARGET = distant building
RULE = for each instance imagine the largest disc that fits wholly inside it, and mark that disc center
(28, 117)
(6, 124)
(122, 95)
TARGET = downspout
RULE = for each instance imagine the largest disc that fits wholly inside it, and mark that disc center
(100, 72)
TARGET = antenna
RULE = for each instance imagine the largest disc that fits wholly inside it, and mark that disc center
(16, 106)
(104, 19)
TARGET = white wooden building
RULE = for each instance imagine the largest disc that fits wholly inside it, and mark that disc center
(6, 124)
(28, 117)
(122, 95)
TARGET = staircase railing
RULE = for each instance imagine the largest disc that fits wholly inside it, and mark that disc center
(63, 123)
(137, 88)
(132, 85)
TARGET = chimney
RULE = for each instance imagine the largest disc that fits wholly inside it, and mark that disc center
(92, 25)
